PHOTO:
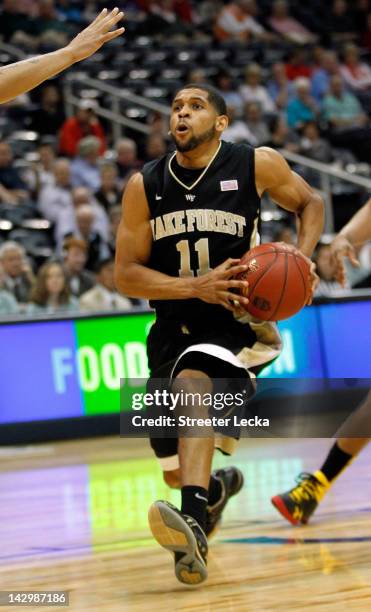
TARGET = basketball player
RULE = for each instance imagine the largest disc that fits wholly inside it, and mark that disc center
(20, 77)
(298, 504)
(187, 220)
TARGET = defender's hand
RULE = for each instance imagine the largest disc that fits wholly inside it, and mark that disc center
(218, 286)
(340, 248)
(96, 34)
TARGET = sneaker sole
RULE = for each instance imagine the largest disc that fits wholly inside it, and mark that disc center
(279, 504)
(173, 533)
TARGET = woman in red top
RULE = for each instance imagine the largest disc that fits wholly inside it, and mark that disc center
(84, 123)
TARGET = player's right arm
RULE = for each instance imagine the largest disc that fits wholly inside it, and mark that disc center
(20, 77)
(354, 234)
(135, 279)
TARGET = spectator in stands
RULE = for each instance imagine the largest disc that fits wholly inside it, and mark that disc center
(49, 117)
(287, 26)
(8, 304)
(237, 130)
(237, 20)
(313, 146)
(127, 161)
(68, 13)
(109, 194)
(340, 25)
(349, 124)
(85, 222)
(50, 293)
(197, 76)
(104, 295)
(85, 170)
(256, 123)
(13, 190)
(155, 147)
(184, 10)
(254, 91)
(321, 78)
(281, 137)
(41, 172)
(208, 12)
(360, 10)
(297, 65)
(114, 218)
(224, 82)
(328, 285)
(341, 108)
(316, 57)
(84, 123)
(366, 34)
(356, 74)
(303, 108)
(279, 88)
(67, 221)
(285, 234)
(75, 254)
(158, 123)
(14, 20)
(163, 19)
(48, 29)
(18, 277)
(56, 198)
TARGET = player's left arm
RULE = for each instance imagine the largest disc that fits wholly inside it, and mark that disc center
(274, 176)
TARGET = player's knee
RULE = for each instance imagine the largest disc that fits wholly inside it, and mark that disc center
(172, 479)
(192, 387)
(188, 380)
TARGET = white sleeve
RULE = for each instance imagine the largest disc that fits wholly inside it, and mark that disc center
(228, 23)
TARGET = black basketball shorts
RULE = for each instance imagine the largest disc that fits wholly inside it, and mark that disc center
(234, 351)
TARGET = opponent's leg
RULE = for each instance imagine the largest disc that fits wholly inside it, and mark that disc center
(298, 504)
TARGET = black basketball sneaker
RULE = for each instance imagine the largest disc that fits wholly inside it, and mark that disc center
(182, 535)
(231, 480)
(298, 504)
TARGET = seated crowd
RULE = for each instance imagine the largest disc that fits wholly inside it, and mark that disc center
(312, 96)
(61, 285)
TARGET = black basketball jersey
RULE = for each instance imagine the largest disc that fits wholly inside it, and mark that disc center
(199, 218)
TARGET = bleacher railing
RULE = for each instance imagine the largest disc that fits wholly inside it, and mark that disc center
(326, 172)
(117, 96)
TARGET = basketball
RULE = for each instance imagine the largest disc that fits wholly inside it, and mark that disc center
(278, 276)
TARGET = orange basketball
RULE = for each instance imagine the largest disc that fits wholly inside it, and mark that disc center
(279, 281)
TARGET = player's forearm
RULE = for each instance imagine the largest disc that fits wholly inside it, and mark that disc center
(358, 230)
(20, 77)
(138, 281)
(311, 224)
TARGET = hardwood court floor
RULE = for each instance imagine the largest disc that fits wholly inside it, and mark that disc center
(73, 517)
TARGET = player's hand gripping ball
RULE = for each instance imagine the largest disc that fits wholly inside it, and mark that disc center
(279, 278)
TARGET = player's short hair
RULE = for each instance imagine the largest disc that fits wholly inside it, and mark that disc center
(214, 96)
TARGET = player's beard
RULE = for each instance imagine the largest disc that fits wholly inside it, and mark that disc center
(194, 141)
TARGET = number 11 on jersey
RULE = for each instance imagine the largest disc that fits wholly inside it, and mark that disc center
(202, 250)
